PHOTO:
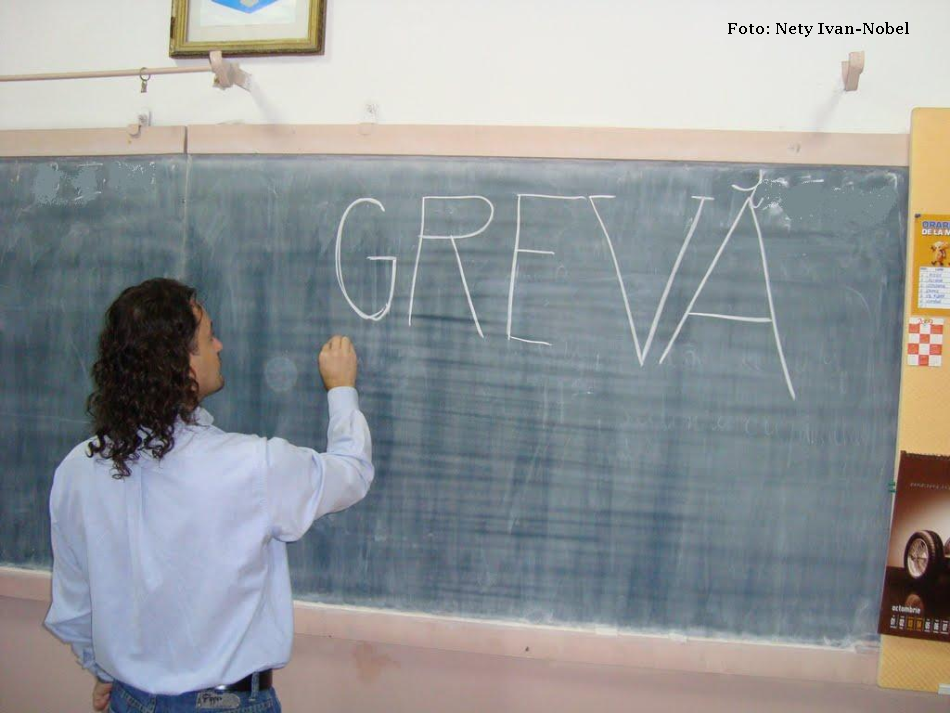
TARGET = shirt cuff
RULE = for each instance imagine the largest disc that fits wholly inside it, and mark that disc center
(343, 399)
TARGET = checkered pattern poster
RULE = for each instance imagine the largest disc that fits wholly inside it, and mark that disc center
(925, 341)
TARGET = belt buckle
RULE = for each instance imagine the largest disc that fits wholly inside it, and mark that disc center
(213, 699)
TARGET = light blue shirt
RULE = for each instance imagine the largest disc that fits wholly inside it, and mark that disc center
(175, 578)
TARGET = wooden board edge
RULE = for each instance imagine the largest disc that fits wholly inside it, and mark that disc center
(554, 142)
(148, 141)
(913, 664)
(585, 646)
(905, 663)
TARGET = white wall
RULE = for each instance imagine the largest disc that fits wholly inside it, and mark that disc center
(630, 63)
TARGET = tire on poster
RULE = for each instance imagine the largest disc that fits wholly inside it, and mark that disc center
(924, 557)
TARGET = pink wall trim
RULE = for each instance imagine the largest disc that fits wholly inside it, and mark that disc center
(555, 142)
(133, 141)
(340, 676)
(439, 140)
(601, 647)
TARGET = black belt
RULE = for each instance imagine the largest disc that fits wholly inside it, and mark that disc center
(265, 680)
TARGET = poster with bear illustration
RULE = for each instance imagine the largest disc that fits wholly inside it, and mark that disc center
(931, 273)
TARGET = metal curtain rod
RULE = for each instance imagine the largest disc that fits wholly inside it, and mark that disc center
(103, 73)
(226, 73)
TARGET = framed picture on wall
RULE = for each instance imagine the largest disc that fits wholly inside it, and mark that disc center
(247, 27)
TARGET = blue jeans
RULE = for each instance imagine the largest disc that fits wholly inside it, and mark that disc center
(126, 699)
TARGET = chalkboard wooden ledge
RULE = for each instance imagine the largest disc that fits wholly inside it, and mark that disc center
(585, 646)
(800, 148)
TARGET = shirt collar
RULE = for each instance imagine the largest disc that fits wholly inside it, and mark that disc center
(202, 417)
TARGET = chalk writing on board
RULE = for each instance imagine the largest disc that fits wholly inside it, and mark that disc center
(748, 205)
(451, 238)
(642, 355)
(518, 249)
(382, 312)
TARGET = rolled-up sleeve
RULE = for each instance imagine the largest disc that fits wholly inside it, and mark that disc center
(70, 614)
(303, 485)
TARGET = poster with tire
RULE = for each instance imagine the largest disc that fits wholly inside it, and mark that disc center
(916, 598)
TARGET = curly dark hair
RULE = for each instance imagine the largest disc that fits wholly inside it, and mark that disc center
(142, 377)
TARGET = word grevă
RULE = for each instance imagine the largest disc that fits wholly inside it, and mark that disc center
(642, 351)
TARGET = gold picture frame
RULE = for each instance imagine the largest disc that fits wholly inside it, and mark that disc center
(239, 32)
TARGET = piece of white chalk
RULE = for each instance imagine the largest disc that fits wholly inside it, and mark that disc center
(944, 689)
